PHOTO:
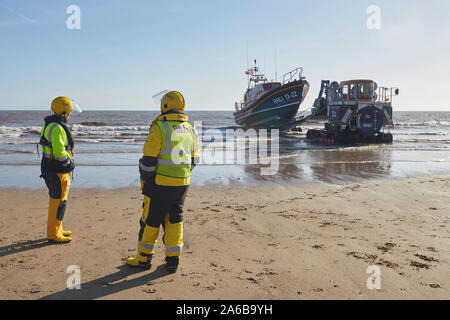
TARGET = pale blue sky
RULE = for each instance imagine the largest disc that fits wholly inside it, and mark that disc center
(128, 50)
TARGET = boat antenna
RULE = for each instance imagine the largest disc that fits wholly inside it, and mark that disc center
(248, 76)
(276, 71)
(265, 62)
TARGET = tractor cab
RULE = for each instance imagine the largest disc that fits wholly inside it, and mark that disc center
(358, 90)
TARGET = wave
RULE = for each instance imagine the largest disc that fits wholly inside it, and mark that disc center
(134, 134)
(92, 151)
(77, 130)
(412, 140)
(94, 140)
(81, 130)
(431, 123)
(2, 141)
(33, 132)
(100, 132)
(94, 123)
(17, 151)
(440, 133)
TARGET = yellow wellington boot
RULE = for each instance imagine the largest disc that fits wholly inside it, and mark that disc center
(140, 261)
(133, 262)
(54, 226)
(65, 233)
(60, 240)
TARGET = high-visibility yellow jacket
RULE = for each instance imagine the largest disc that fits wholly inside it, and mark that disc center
(57, 153)
(57, 138)
(157, 162)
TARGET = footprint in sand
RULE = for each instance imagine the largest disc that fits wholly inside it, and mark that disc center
(425, 258)
(386, 247)
(267, 272)
(263, 262)
(253, 280)
(150, 290)
(288, 216)
(326, 223)
(386, 263)
(419, 265)
(362, 256)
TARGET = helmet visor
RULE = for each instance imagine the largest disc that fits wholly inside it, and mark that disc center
(76, 107)
(157, 97)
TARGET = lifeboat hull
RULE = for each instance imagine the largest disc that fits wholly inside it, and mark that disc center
(274, 109)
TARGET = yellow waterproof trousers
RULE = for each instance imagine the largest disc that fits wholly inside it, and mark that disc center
(58, 185)
(153, 212)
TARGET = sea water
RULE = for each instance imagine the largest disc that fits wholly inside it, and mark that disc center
(109, 145)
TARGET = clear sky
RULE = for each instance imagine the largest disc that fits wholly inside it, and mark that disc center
(126, 51)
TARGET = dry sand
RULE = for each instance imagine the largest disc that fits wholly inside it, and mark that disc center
(309, 241)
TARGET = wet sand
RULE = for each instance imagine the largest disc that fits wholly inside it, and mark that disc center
(306, 241)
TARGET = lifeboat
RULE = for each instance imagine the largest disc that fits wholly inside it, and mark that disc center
(271, 104)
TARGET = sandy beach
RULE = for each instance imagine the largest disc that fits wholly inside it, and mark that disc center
(305, 241)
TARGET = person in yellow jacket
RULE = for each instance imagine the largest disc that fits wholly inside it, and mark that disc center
(56, 165)
(170, 153)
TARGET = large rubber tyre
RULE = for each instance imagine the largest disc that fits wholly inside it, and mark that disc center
(388, 138)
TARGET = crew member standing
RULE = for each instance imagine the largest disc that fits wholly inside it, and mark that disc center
(56, 165)
(170, 154)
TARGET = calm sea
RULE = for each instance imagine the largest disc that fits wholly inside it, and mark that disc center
(109, 144)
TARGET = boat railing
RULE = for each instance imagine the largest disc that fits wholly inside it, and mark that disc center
(385, 94)
(291, 75)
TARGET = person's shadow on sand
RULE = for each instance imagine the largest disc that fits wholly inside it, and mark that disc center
(24, 246)
(105, 286)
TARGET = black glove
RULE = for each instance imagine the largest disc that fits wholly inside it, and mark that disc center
(147, 167)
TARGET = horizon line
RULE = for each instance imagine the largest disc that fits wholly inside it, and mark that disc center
(143, 109)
